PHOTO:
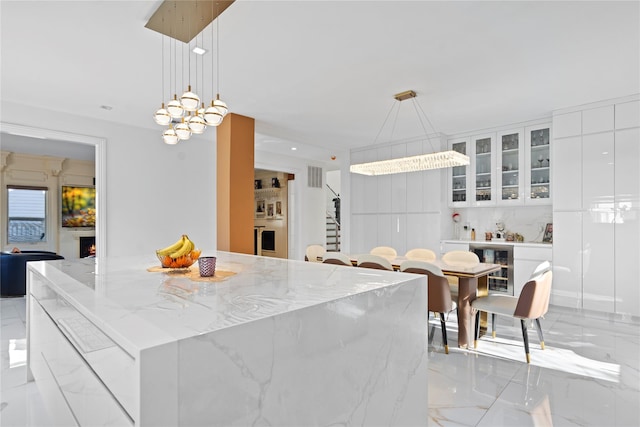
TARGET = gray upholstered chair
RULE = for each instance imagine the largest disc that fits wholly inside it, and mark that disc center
(337, 258)
(374, 261)
(438, 292)
(532, 303)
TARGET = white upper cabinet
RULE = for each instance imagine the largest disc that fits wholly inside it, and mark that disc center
(538, 164)
(459, 176)
(510, 167)
(510, 173)
(483, 151)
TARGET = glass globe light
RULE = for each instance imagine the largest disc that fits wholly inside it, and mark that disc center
(169, 136)
(200, 111)
(174, 107)
(196, 124)
(162, 116)
(221, 106)
(183, 131)
(212, 116)
(189, 100)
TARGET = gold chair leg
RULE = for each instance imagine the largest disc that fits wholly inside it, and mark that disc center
(528, 358)
(446, 349)
(542, 345)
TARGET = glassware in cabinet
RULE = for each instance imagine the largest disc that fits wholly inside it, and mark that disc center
(539, 164)
(483, 160)
(510, 159)
(459, 177)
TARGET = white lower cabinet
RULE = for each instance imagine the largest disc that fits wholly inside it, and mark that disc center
(627, 262)
(566, 289)
(598, 280)
(79, 397)
(525, 260)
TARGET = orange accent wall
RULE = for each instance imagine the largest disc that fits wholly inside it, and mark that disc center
(235, 198)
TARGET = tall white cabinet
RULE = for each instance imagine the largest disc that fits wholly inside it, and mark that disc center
(400, 210)
(596, 209)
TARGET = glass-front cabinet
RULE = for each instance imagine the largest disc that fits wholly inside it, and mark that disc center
(510, 177)
(508, 167)
(538, 164)
(459, 175)
(483, 160)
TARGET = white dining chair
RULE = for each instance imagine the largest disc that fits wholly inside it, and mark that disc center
(337, 258)
(459, 259)
(374, 261)
(385, 251)
(533, 303)
(314, 252)
(420, 254)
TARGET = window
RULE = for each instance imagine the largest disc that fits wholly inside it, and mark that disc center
(27, 219)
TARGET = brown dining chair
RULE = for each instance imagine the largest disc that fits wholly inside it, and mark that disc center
(337, 258)
(314, 252)
(532, 303)
(374, 261)
(420, 254)
(384, 251)
(438, 293)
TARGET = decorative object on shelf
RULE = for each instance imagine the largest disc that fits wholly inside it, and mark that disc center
(181, 254)
(275, 183)
(183, 21)
(270, 210)
(434, 160)
(257, 184)
(260, 208)
(548, 233)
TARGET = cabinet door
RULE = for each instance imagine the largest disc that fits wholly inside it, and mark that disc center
(459, 178)
(510, 177)
(567, 194)
(598, 174)
(483, 162)
(538, 162)
(566, 290)
(627, 228)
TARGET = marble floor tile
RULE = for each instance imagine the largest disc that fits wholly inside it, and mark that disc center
(588, 374)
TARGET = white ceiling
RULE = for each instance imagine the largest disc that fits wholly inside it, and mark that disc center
(320, 75)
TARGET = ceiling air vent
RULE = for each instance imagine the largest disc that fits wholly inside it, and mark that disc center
(314, 177)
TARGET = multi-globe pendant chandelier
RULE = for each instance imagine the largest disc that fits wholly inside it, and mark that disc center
(187, 115)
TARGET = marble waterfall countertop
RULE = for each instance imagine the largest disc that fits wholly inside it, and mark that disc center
(278, 343)
(140, 309)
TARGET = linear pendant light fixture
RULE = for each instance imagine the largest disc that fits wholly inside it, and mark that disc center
(435, 160)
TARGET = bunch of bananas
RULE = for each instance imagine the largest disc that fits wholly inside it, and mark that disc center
(181, 254)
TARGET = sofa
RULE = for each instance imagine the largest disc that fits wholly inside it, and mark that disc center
(13, 270)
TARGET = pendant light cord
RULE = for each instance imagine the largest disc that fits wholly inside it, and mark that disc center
(217, 50)
(417, 107)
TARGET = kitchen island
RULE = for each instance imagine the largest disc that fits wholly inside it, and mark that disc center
(277, 343)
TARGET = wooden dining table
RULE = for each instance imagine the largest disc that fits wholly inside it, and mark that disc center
(473, 281)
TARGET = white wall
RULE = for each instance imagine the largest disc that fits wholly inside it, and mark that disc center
(154, 192)
(403, 211)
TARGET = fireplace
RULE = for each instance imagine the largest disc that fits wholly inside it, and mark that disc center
(87, 246)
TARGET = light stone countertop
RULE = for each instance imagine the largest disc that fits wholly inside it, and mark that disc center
(140, 309)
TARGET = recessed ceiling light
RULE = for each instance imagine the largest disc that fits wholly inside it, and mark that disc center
(106, 107)
(198, 50)
(294, 148)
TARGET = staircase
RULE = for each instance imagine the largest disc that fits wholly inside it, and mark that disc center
(333, 234)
